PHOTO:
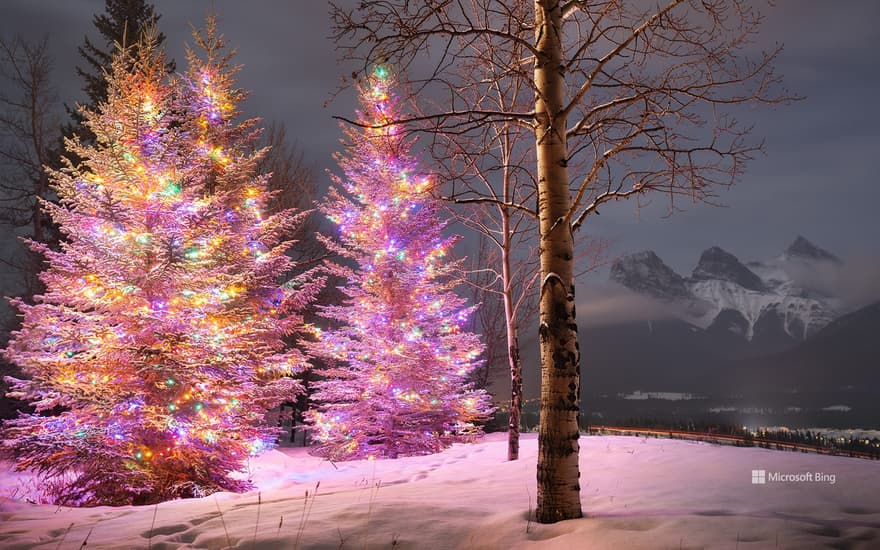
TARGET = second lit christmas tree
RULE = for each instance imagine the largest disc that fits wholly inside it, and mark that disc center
(399, 384)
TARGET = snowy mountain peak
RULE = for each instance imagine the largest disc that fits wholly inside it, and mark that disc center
(645, 273)
(762, 302)
(718, 264)
(803, 249)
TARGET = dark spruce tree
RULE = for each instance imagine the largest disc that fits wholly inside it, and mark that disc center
(121, 24)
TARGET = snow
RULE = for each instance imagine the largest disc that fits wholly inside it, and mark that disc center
(801, 315)
(715, 286)
(664, 395)
(637, 493)
(549, 276)
(774, 275)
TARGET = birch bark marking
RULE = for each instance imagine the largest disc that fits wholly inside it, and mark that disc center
(558, 474)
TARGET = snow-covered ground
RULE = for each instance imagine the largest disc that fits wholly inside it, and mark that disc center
(637, 493)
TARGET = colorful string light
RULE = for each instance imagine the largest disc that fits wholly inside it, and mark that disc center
(161, 332)
(402, 358)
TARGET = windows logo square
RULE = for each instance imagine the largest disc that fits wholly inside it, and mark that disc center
(759, 477)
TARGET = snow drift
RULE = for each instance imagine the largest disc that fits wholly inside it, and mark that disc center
(637, 493)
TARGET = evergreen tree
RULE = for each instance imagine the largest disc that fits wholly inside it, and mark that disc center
(161, 330)
(121, 25)
(398, 386)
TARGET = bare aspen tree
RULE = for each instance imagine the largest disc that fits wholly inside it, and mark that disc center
(28, 124)
(512, 268)
(294, 186)
(488, 321)
(486, 168)
(502, 285)
(487, 175)
(621, 99)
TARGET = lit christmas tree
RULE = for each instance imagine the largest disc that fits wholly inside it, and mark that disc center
(398, 384)
(158, 343)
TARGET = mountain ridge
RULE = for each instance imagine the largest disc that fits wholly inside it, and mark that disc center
(757, 300)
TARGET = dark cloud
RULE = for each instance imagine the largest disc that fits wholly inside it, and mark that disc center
(609, 304)
(817, 177)
(856, 282)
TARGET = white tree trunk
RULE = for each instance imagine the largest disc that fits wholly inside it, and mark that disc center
(558, 474)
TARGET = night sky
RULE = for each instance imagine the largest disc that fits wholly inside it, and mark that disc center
(816, 179)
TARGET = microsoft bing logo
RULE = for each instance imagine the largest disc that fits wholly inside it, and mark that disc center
(762, 477)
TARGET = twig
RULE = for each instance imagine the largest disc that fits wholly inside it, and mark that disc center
(223, 521)
(529, 516)
(64, 536)
(280, 523)
(311, 504)
(370, 509)
(307, 510)
(152, 525)
(86, 540)
(257, 525)
(302, 518)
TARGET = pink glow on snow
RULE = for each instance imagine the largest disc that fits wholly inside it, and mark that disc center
(637, 494)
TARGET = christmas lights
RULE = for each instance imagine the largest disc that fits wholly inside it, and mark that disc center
(401, 356)
(157, 347)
